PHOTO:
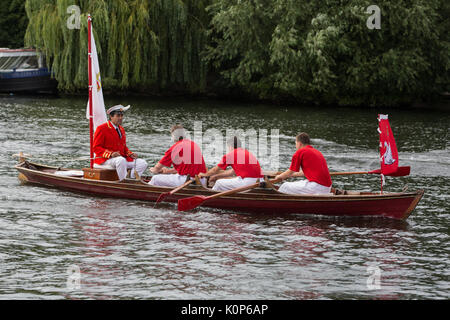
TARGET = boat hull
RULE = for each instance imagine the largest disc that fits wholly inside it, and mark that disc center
(28, 84)
(262, 201)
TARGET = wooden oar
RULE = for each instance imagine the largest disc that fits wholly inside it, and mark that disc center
(163, 195)
(193, 202)
(401, 172)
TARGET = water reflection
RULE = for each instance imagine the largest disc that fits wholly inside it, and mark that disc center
(100, 243)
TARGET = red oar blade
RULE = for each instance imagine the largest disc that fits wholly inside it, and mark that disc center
(187, 204)
(401, 172)
(161, 197)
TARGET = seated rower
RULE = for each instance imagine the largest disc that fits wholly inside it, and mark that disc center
(185, 156)
(243, 163)
(314, 169)
(110, 146)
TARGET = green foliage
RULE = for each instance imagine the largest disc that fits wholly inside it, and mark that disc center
(323, 51)
(141, 43)
(310, 51)
(13, 23)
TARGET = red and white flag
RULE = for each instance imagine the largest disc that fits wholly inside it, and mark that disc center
(388, 148)
(98, 105)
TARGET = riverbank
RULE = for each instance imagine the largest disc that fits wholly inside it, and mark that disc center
(441, 102)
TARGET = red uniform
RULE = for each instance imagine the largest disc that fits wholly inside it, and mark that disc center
(186, 157)
(313, 164)
(107, 141)
(243, 162)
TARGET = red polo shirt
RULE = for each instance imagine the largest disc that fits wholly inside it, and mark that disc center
(313, 164)
(186, 157)
(243, 162)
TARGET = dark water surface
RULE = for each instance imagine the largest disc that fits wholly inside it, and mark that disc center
(127, 249)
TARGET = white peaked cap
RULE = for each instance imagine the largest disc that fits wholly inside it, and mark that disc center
(118, 107)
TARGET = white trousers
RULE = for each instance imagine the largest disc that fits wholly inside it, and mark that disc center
(233, 183)
(171, 180)
(122, 165)
(303, 187)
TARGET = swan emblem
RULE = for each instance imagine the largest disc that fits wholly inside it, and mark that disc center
(388, 159)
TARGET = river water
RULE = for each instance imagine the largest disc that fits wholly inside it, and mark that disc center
(57, 244)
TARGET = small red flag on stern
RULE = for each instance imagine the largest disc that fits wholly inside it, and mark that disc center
(388, 147)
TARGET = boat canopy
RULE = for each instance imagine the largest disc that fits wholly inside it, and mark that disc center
(20, 60)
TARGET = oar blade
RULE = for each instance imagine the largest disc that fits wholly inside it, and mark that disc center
(401, 172)
(187, 204)
(161, 197)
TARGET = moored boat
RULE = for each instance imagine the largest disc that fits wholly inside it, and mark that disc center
(396, 205)
(23, 70)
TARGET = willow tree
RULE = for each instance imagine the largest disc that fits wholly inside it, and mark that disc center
(142, 44)
(323, 51)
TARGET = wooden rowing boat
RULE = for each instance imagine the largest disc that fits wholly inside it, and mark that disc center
(396, 205)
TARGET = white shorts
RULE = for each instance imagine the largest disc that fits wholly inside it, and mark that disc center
(171, 180)
(233, 183)
(303, 187)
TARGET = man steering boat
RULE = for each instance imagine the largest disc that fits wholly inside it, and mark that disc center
(110, 146)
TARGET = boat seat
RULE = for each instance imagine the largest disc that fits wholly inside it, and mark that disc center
(345, 192)
(103, 166)
(109, 167)
(352, 193)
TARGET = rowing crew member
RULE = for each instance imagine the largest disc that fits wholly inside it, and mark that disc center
(243, 164)
(185, 156)
(110, 146)
(314, 169)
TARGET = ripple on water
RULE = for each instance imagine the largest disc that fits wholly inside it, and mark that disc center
(128, 249)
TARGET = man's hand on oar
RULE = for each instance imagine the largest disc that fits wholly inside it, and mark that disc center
(164, 195)
(193, 202)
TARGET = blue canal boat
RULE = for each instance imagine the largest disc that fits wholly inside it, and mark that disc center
(24, 71)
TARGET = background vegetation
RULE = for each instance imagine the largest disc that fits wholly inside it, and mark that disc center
(13, 23)
(304, 51)
(323, 50)
(143, 45)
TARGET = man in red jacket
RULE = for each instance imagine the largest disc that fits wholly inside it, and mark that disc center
(110, 146)
(185, 156)
(313, 167)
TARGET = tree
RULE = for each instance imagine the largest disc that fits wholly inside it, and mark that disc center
(142, 44)
(323, 51)
(308, 51)
(13, 23)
